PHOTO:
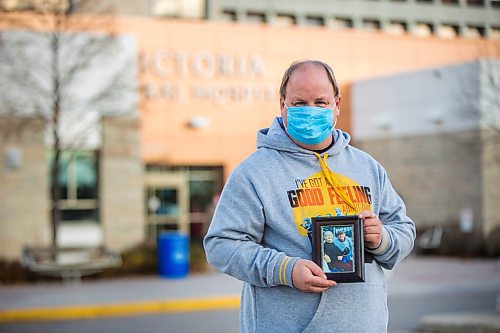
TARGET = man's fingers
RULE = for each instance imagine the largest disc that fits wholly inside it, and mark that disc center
(317, 282)
(366, 215)
(314, 289)
(309, 277)
(372, 230)
(315, 269)
(370, 222)
(371, 238)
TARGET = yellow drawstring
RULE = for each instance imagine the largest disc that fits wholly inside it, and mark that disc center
(330, 176)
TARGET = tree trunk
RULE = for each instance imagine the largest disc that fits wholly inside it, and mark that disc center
(56, 148)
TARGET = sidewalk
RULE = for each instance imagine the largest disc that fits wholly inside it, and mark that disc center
(118, 297)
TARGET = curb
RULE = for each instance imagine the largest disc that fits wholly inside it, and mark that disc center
(467, 322)
(116, 310)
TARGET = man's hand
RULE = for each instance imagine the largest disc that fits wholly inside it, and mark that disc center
(327, 258)
(309, 277)
(372, 229)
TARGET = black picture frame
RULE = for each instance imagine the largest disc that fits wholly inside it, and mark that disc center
(348, 263)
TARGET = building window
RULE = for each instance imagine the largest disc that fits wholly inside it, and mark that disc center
(495, 4)
(447, 31)
(474, 31)
(179, 8)
(423, 29)
(371, 24)
(342, 23)
(79, 186)
(495, 33)
(256, 17)
(450, 2)
(228, 15)
(285, 20)
(315, 21)
(394, 29)
(475, 3)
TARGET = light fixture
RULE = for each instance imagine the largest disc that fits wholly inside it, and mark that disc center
(13, 158)
(198, 122)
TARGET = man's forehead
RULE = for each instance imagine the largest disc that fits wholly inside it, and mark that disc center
(307, 68)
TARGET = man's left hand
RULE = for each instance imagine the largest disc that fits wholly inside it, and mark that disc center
(372, 229)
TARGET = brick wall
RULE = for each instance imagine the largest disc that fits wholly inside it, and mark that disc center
(24, 196)
(121, 184)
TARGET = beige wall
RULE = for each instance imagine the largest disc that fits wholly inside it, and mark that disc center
(491, 180)
(24, 190)
(121, 184)
(436, 175)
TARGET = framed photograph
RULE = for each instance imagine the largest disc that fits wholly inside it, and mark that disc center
(338, 247)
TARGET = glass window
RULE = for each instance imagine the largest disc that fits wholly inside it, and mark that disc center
(473, 31)
(179, 8)
(495, 33)
(342, 23)
(256, 17)
(447, 30)
(284, 20)
(371, 24)
(475, 2)
(79, 215)
(228, 15)
(78, 178)
(423, 29)
(164, 202)
(401, 24)
(315, 20)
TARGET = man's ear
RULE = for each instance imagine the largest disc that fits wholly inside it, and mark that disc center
(282, 107)
(337, 105)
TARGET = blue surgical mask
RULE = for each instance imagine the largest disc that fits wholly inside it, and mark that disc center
(309, 125)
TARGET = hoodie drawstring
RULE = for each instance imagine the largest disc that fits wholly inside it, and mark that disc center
(332, 179)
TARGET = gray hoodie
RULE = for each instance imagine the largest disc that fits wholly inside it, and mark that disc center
(259, 230)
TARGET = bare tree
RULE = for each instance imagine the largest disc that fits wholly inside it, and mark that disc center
(66, 69)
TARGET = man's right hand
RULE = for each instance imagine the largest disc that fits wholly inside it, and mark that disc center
(309, 277)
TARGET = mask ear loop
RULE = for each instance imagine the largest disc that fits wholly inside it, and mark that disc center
(330, 176)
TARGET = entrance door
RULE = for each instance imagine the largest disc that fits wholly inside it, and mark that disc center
(167, 203)
(181, 198)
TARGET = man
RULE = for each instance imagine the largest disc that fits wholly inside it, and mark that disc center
(338, 252)
(303, 168)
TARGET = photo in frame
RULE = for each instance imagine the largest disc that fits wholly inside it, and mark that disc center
(338, 247)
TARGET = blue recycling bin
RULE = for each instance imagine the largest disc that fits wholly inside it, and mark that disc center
(173, 255)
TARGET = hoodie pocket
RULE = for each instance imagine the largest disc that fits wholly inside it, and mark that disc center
(354, 307)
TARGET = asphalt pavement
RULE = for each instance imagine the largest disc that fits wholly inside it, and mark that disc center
(212, 291)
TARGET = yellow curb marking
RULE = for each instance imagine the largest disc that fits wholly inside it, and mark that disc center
(111, 310)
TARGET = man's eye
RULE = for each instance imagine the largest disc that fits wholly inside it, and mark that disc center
(321, 103)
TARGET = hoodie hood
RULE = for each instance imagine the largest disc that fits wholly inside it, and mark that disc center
(275, 137)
